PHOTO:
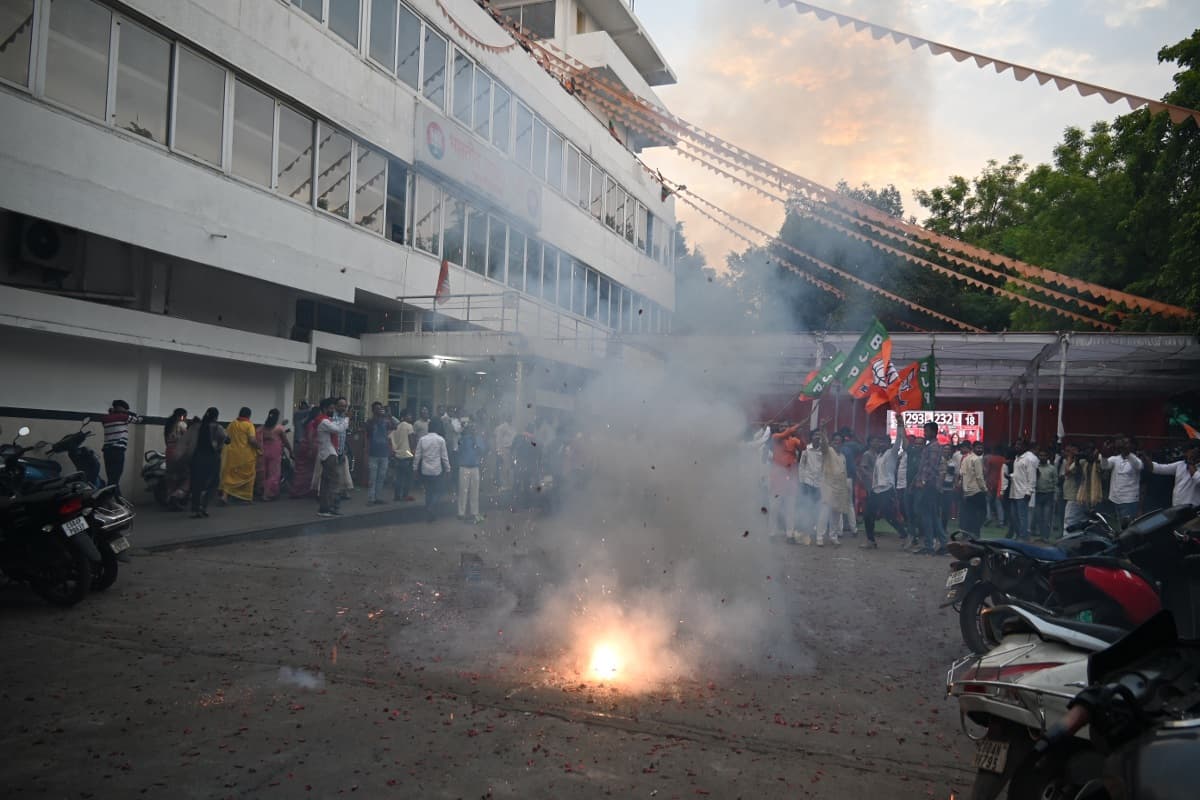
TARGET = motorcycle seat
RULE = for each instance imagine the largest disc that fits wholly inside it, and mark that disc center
(44, 464)
(1105, 633)
(1030, 550)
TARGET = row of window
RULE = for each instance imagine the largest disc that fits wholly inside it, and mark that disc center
(398, 40)
(109, 67)
(449, 227)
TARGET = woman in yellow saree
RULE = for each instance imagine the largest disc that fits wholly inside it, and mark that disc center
(241, 459)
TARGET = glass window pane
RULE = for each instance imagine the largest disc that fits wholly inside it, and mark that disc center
(605, 296)
(516, 260)
(483, 104)
(253, 129)
(343, 19)
(539, 148)
(539, 19)
(295, 155)
(383, 33)
(77, 55)
(550, 275)
(435, 68)
(571, 189)
(497, 249)
(655, 236)
(408, 48)
(16, 23)
(143, 74)
(501, 126)
(578, 286)
(333, 171)
(630, 214)
(590, 302)
(477, 242)
(640, 222)
(463, 98)
(369, 198)
(397, 182)
(312, 7)
(523, 151)
(533, 267)
(597, 192)
(427, 217)
(456, 231)
(199, 107)
(554, 156)
(611, 190)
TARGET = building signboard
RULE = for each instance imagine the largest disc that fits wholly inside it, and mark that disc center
(953, 426)
(446, 148)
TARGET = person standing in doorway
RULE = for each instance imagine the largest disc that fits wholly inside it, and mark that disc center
(273, 443)
(431, 461)
(472, 448)
(881, 501)
(1124, 487)
(206, 449)
(973, 477)
(1022, 489)
(116, 440)
(379, 451)
(402, 451)
(241, 459)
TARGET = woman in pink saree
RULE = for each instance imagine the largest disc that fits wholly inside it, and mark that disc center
(272, 441)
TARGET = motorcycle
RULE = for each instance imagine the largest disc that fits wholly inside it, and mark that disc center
(110, 517)
(154, 473)
(1087, 577)
(41, 522)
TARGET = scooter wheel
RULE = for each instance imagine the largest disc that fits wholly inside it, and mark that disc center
(975, 631)
(104, 574)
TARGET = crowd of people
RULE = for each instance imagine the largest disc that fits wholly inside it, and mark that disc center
(921, 485)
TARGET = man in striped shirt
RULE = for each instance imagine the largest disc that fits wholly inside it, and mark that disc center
(116, 440)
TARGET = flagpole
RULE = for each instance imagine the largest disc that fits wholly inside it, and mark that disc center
(814, 420)
(1064, 346)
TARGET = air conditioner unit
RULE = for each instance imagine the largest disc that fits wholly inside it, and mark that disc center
(49, 246)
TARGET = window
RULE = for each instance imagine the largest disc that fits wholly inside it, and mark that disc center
(501, 125)
(333, 170)
(477, 242)
(605, 297)
(397, 200)
(77, 56)
(382, 43)
(456, 231)
(427, 217)
(463, 97)
(295, 155)
(654, 237)
(497, 249)
(253, 132)
(640, 224)
(370, 188)
(434, 73)
(550, 275)
(597, 199)
(16, 22)
(630, 214)
(199, 107)
(626, 310)
(611, 210)
(539, 18)
(578, 271)
(408, 48)
(533, 268)
(539, 148)
(311, 7)
(516, 260)
(554, 158)
(571, 190)
(523, 150)
(590, 305)
(143, 77)
(343, 19)
(483, 104)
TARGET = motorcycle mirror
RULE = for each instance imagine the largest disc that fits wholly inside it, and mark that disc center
(23, 431)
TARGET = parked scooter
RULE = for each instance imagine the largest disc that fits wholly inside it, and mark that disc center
(41, 522)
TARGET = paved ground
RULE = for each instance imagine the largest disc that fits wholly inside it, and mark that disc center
(321, 666)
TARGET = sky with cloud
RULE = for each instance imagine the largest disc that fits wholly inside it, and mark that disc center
(832, 104)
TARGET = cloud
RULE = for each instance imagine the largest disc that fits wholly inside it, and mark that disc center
(1122, 13)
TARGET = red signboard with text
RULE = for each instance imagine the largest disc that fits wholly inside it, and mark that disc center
(953, 426)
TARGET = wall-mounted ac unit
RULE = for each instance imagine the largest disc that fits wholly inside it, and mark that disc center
(49, 246)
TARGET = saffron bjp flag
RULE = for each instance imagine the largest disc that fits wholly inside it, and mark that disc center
(869, 363)
(443, 284)
(817, 380)
(916, 387)
(1190, 431)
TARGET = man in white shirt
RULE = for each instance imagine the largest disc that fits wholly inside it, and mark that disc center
(1021, 487)
(1186, 474)
(811, 473)
(431, 461)
(402, 439)
(331, 435)
(881, 495)
(974, 489)
(1124, 487)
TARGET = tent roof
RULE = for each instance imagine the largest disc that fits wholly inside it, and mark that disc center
(986, 366)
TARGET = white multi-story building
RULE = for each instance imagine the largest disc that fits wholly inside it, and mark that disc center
(248, 202)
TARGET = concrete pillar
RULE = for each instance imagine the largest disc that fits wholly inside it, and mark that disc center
(377, 382)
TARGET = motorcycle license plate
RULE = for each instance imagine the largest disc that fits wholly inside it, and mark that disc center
(956, 577)
(991, 756)
(119, 544)
(74, 526)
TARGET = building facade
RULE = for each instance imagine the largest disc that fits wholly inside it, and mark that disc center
(249, 202)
